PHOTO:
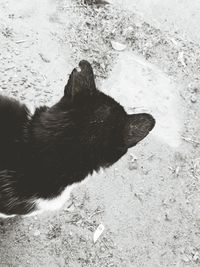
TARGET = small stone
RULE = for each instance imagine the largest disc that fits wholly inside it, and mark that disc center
(103, 66)
(193, 99)
(132, 162)
(133, 165)
(36, 233)
(102, 249)
(118, 46)
(167, 218)
(128, 30)
(185, 258)
(196, 257)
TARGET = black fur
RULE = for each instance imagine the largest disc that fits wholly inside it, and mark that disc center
(41, 154)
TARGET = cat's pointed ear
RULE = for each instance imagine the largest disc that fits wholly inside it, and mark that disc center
(137, 128)
(81, 82)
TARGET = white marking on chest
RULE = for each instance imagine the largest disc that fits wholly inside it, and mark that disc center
(51, 204)
(4, 216)
(57, 202)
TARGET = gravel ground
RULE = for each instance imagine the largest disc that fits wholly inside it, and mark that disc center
(148, 202)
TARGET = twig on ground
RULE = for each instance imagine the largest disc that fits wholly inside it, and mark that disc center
(189, 140)
(95, 213)
(44, 58)
(20, 41)
(10, 68)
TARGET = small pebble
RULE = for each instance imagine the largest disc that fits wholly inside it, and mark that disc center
(118, 46)
(193, 99)
(132, 162)
(185, 258)
(36, 233)
(196, 257)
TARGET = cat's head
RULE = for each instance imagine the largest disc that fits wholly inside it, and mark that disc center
(104, 129)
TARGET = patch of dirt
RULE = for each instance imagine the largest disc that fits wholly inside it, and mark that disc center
(149, 201)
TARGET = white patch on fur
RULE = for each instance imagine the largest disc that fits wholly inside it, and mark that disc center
(54, 203)
(57, 202)
(4, 216)
(51, 204)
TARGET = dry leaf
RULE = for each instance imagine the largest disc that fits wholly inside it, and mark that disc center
(98, 232)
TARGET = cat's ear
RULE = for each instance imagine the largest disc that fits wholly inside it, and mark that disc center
(68, 86)
(81, 82)
(137, 128)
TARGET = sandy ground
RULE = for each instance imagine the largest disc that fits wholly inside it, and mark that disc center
(149, 202)
(175, 16)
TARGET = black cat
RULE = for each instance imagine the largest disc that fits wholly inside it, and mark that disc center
(43, 156)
